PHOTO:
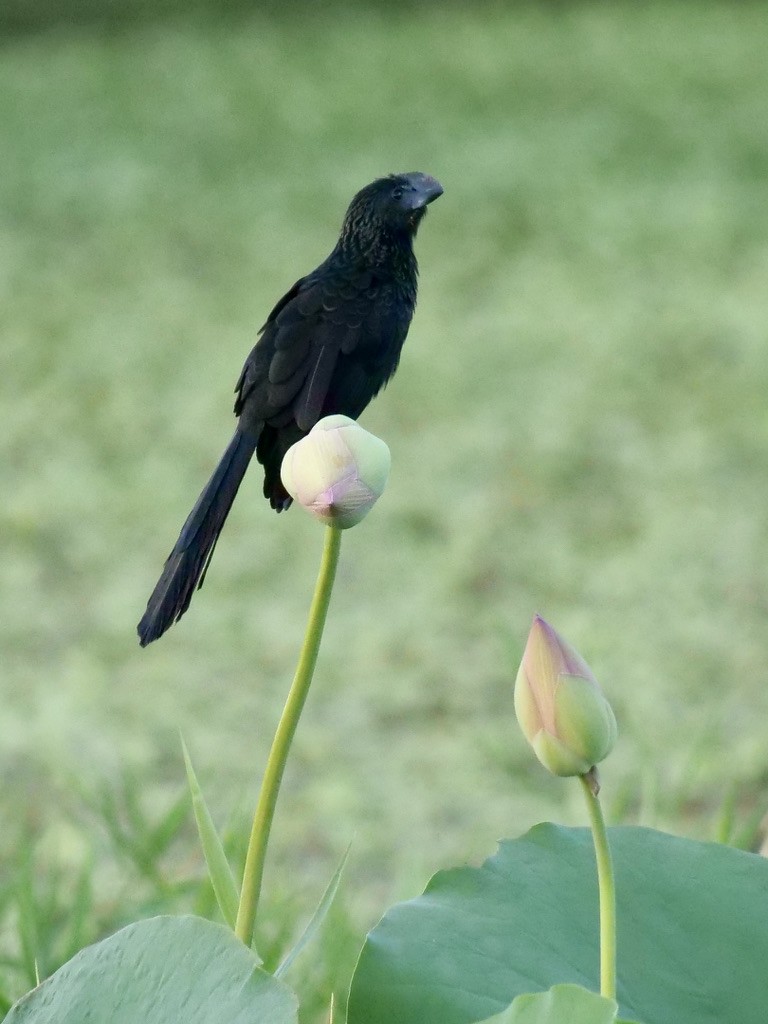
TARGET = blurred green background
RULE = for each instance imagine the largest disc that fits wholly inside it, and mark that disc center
(579, 426)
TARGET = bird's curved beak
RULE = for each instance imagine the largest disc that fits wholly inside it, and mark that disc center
(425, 190)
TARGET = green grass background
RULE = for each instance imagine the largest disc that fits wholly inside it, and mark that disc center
(579, 426)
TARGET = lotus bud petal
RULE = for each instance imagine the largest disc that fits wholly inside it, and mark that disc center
(560, 706)
(337, 472)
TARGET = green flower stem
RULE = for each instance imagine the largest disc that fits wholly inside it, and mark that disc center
(278, 755)
(605, 884)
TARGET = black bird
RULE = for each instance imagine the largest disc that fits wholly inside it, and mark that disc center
(329, 346)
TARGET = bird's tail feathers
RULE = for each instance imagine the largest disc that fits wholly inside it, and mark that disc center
(187, 564)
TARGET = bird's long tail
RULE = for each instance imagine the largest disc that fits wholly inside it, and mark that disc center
(187, 564)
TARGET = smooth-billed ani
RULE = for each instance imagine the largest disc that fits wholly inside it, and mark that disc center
(329, 346)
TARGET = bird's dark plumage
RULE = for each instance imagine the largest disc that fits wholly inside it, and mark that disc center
(329, 346)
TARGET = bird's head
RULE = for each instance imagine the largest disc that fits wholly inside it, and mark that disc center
(396, 204)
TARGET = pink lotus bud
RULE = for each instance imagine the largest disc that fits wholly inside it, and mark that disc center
(560, 706)
(337, 472)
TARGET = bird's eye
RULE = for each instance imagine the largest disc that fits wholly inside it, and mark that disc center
(397, 192)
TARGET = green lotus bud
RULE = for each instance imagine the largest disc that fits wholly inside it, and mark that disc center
(337, 472)
(560, 706)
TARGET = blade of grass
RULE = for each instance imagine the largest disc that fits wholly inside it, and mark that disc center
(749, 835)
(219, 870)
(25, 901)
(81, 912)
(315, 922)
(726, 817)
(5, 1002)
(161, 837)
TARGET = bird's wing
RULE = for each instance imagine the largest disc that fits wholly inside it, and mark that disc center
(321, 321)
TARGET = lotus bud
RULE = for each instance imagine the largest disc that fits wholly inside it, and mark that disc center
(560, 706)
(337, 472)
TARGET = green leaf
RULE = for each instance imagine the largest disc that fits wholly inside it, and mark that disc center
(570, 1003)
(161, 971)
(317, 918)
(219, 869)
(692, 933)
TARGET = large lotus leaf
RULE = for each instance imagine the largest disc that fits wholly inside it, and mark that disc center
(167, 970)
(692, 933)
(562, 1003)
